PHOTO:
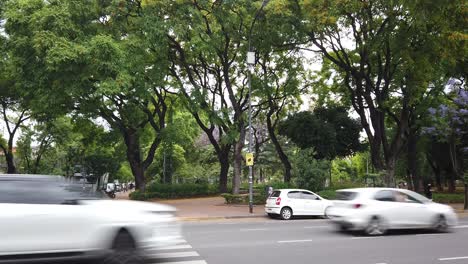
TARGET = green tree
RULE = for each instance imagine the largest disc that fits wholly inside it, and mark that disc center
(99, 59)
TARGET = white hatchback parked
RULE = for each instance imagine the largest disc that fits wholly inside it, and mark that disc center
(297, 202)
(376, 210)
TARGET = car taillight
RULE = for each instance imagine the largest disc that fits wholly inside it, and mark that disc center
(357, 206)
(278, 201)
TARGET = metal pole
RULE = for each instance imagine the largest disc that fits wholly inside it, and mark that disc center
(251, 65)
(250, 140)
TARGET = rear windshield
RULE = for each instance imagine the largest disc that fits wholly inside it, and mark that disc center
(346, 196)
(275, 194)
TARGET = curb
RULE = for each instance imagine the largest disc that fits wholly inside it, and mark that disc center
(212, 218)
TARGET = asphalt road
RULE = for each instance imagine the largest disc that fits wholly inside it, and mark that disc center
(317, 241)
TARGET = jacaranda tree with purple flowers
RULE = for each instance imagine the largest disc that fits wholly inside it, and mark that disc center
(449, 125)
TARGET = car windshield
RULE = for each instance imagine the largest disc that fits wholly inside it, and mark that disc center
(418, 196)
(275, 194)
(346, 195)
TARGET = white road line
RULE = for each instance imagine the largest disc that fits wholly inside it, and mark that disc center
(295, 241)
(175, 247)
(461, 226)
(354, 238)
(321, 226)
(180, 241)
(254, 229)
(381, 263)
(185, 262)
(176, 254)
(454, 258)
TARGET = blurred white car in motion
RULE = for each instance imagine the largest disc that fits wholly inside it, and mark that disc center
(49, 218)
(295, 202)
(376, 210)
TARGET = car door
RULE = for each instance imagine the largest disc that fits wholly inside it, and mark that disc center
(313, 205)
(295, 202)
(413, 212)
(385, 206)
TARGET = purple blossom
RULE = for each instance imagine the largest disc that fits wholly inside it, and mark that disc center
(428, 130)
(431, 111)
(463, 111)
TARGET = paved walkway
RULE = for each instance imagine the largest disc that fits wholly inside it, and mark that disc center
(211, 207)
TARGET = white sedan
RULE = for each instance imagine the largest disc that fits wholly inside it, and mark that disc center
(49, 218)
(295, 202)
(376, 210)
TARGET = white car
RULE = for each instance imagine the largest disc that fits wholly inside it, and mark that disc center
(295, 202)
(376, 210)
(50, 218)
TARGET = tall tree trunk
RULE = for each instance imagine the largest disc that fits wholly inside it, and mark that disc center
(279, 150)
(223, 158)
(412, 160)
(11, 168)
(236, 179)
(451, 180)
(389, 178)
(132, 142)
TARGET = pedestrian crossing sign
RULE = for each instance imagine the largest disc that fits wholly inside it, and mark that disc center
(249, 159)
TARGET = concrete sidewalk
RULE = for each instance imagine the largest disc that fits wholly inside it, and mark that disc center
(211, 208)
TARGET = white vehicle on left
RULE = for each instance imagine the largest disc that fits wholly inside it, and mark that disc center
(48, 218)
(287, 203)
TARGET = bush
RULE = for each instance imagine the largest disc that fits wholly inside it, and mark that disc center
(328, 194)
(242, 198)
(171, 191)
(138, 196)
(448, 197)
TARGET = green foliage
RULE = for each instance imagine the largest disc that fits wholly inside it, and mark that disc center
(170, 191)
(138, 195)
(330, 131)
(243, 198)
(310, 173)
(448, 197)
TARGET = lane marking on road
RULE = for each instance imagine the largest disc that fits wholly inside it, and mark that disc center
(355, 238)
(253, 229)
(320, 226)
(461, 226)
(381, 263)
(430, 234)
(180, 241)
(185, 262)
(295, 241)
(177, 254)
(454, 258)
(175, 247)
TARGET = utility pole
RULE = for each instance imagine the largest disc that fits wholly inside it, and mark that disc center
(251, 64)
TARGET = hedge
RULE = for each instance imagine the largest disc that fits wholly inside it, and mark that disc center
(243, 199)
(448, 197)
(171, 191)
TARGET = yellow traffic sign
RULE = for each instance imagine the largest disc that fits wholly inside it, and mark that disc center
(249, 159)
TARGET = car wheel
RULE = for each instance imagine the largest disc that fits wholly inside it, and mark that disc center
(123, 250)
(440, 224)
(286, 213)
(375, 227)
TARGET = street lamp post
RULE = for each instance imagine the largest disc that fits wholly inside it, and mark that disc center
(251, 63)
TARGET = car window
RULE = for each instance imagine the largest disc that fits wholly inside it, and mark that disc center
(385, 196)
(33, 191)
(346, 196)
(309, 196)
(275, 194)
(294, 194)
(405, 198)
